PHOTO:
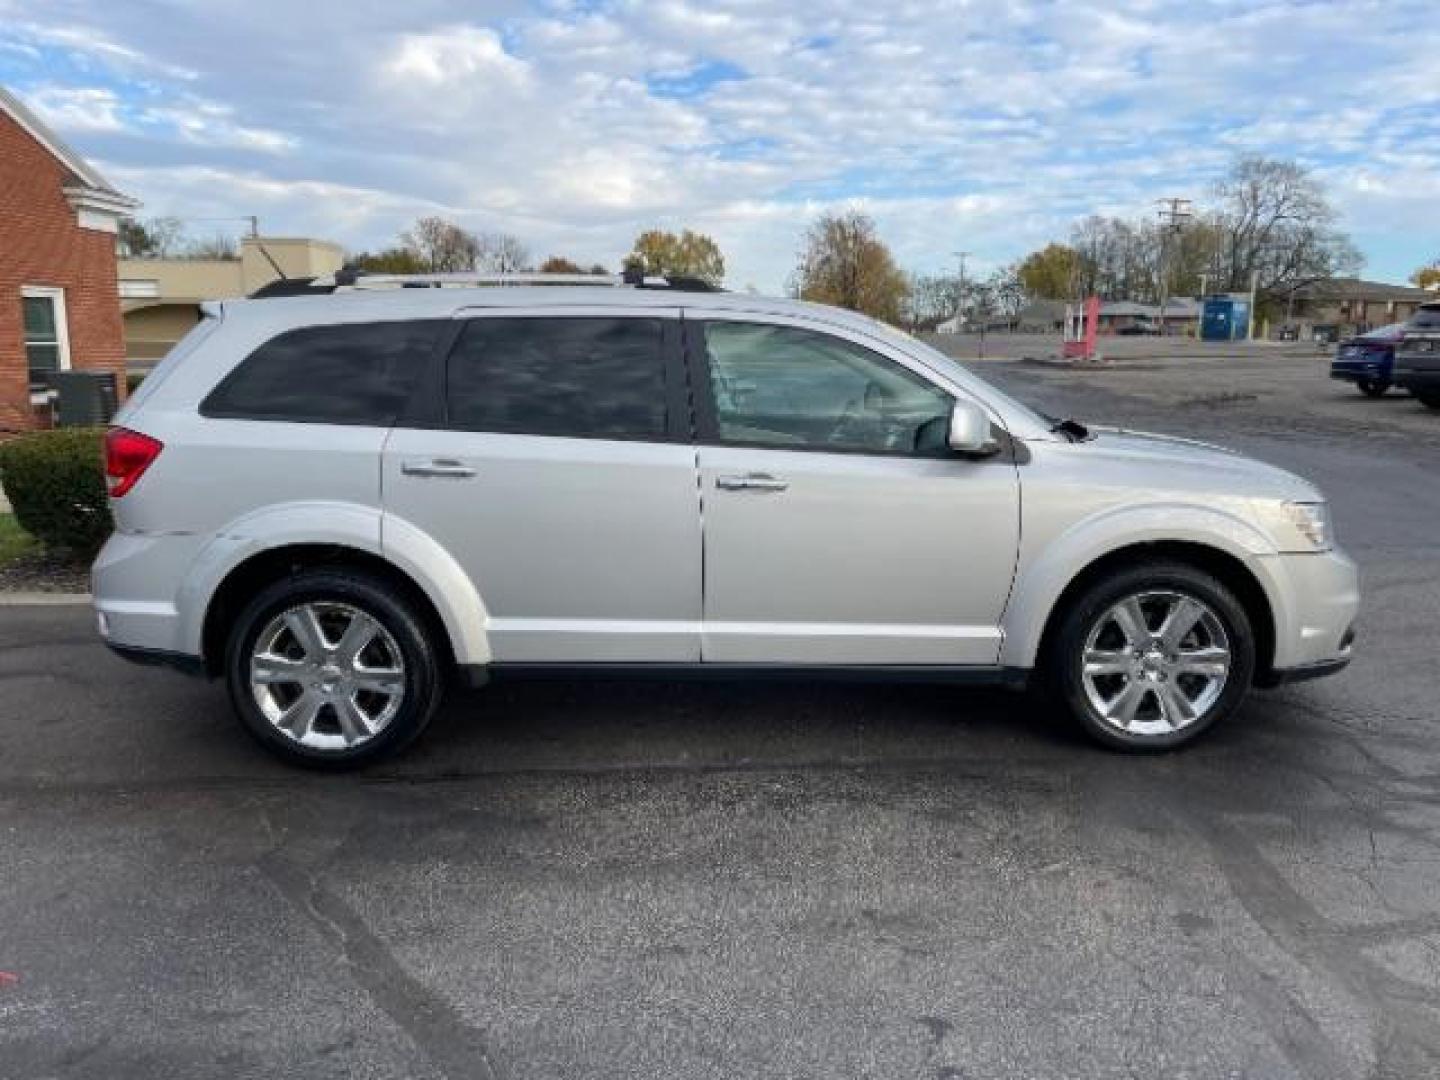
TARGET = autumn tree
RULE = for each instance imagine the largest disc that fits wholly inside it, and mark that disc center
(1052, 273)
(152, 238)
(685, 254)
(391, 260)
(558, 264)
(1427, 277)
(846, 264)
(441, 246)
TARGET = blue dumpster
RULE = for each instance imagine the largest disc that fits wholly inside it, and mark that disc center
(1225, 318)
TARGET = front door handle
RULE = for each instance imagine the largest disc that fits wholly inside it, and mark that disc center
(443, 467)
(750, 482)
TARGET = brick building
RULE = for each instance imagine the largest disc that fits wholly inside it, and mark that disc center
(59, 305)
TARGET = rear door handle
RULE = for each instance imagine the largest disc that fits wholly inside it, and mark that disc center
(442, 467)
(750, 482)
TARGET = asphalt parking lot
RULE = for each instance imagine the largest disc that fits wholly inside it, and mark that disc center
(650, 880)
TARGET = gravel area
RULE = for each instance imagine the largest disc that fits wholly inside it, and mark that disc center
(47, 572)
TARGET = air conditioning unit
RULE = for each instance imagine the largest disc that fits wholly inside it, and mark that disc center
(83, 398)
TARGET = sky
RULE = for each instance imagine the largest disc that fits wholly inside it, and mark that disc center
(970, 125)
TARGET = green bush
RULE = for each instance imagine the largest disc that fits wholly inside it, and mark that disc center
(55, 481)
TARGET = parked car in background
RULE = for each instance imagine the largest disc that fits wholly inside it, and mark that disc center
(1368, 360)
(339, 503)
(1417, 355)
(1141, 327)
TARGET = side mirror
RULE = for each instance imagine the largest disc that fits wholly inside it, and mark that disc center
(970, 431)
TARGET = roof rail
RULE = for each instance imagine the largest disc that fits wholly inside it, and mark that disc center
(467, 280)
(349, 280)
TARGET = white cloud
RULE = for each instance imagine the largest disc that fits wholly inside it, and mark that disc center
(77, 108)
(455, 54)
(958, 123)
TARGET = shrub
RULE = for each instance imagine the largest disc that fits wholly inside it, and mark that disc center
(133, 380)
(55, 481)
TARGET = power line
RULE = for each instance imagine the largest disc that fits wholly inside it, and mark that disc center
(1174, 213)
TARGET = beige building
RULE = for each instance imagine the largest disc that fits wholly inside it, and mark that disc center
(1350, 305)
(160, 298)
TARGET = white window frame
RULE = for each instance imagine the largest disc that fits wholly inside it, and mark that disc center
(62, 329)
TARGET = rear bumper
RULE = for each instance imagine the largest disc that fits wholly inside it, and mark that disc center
(181, 662)
(136, 581)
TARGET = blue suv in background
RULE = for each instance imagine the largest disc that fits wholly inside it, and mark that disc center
(1368, 360)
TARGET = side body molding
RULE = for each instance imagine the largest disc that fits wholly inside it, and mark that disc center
(1048, 564)
(350, 525)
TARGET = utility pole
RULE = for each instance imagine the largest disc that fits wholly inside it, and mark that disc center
(960, 297)
(1174, 213)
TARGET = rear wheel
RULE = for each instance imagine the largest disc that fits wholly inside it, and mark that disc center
(1428, 397)
(1150, 658)
(1372, 387)
(332, 669)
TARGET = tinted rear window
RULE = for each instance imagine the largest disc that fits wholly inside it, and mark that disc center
(585, 378)
(1426, 318)
(354, 373)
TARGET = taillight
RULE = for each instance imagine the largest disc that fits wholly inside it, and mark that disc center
(127, 455)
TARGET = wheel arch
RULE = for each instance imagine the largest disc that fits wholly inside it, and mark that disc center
(1226, 567)
(259, 570)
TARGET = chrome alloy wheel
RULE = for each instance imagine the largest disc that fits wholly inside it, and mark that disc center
(1155, 662)
(327, 675)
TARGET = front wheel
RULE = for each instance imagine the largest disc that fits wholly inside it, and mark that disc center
(1150, 658)
(1428, 397)
(332, 669)
(1373, 387)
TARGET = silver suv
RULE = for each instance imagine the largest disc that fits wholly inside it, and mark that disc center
(340, 502)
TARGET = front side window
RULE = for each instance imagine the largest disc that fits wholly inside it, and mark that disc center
(789, 388)
(43, 317)
(350, 373)
(596, 378)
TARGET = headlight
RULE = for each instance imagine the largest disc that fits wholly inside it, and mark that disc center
(1312, 521)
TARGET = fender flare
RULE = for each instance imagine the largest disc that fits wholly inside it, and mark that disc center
(1043, 579)
(348, 525)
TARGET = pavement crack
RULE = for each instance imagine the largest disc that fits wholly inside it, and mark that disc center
(434, 1025)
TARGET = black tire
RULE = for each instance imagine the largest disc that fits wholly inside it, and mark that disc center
(1063, 662)
(1429, 398)
(1372, 388)
(422, 675)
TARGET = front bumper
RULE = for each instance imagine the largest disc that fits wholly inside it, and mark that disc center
(1354, 371)
(1314, 601)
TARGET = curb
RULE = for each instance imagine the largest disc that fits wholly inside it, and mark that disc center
(43, 599)
(1123, 364)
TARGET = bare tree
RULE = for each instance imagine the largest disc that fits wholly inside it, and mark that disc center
(931, 299)
(501, 253)
(1277, 229)
(441, 246)
(218, 246)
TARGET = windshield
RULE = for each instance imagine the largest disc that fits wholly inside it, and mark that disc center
(1384, 333)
